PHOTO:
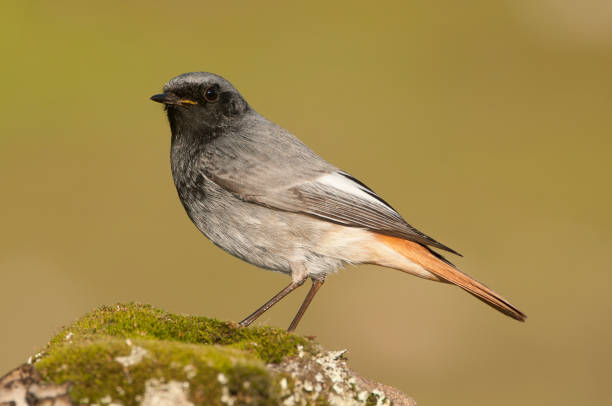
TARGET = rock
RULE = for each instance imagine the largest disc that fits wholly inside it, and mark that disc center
(137, 355)
(24, 386)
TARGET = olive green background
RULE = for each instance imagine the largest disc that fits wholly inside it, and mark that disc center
(486, 124)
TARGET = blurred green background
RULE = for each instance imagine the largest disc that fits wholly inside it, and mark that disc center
(486, 124)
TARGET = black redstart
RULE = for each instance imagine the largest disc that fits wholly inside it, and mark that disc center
(260, 194)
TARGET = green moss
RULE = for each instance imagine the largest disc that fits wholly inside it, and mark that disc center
(178, 348)
(372, 400)
(126, 353)
(95, 373)
(144, 321)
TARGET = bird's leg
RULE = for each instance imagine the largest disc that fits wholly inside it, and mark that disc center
(316, 284)
(292, 286)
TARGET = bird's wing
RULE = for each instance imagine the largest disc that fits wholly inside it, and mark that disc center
(287, 175)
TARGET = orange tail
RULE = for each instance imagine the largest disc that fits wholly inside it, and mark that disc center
(422, 256)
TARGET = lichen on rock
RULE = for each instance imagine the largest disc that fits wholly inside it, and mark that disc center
(136, 355)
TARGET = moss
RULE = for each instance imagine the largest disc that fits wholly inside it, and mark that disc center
(130, 354)
(143, 321)
(372, 400)
(178, 348)
(95, 373)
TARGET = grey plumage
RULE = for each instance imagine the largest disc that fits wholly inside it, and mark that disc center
(252, 163)
(262, 195)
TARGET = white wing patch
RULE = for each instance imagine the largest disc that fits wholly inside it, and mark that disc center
(346, 185)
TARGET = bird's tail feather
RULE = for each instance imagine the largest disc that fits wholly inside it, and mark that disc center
(422, 256)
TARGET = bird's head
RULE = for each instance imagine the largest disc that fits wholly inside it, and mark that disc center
(200, 102)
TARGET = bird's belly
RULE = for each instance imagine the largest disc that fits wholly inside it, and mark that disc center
(264, 237)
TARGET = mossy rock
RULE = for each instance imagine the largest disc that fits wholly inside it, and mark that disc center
(132, 354)
(137, 321)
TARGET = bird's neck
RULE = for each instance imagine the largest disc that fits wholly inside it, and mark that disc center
(191, 131)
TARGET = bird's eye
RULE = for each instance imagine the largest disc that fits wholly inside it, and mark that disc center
(211, 94)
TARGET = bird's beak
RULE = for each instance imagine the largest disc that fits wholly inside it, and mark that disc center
(171, 98)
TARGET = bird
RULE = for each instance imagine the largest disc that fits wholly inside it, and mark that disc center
(259, 193)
